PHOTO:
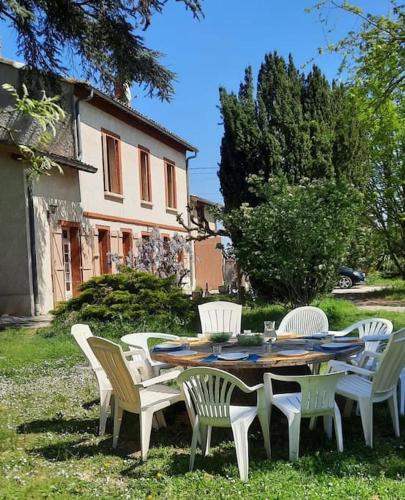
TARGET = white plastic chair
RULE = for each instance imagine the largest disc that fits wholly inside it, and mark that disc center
(131, 393)
(367, 327)
(220, 316)
(317, 398)
(368, 387)
(82, 333)
(305, 320)
(140, 340)
(207, 392)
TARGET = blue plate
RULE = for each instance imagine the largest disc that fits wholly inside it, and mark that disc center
(166, 346)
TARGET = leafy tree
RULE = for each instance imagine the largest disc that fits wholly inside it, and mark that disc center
(291, 244)
(386, 190)
(374, 55)
(103, 34)
(374, 58)
(295, 125)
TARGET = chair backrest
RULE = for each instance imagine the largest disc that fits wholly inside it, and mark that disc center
(208, 391)
(373, 326)
(122, 379)
(82, 333)
(391, 364)
(318, 392)
(220, 316)
(304, 321)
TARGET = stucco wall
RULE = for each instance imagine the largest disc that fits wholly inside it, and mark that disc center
(15, 269)
(62, 192)
(92, 185)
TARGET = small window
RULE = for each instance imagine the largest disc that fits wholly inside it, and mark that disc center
(111, 163)
(171, 196)
(144, 164)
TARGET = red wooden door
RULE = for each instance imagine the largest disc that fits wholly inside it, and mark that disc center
(103, 250)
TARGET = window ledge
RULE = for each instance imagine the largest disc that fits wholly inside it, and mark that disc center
(171, 210)
(146, 204)
(113, 196)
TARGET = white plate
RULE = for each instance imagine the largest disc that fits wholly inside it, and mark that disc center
(293, 352)
(336, 346)
(233, 356)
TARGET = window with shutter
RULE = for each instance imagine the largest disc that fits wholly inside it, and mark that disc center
(171, 195)
(111, 163)
(145, 177)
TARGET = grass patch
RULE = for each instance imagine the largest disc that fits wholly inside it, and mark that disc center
(25, 347)
(49, 446)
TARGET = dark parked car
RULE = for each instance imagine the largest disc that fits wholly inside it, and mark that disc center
(349, 277)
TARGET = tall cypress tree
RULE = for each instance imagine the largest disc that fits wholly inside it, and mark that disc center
(296, 124)
(241, 144)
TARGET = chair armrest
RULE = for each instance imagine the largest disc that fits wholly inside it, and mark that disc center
(372, 354)
(342, 333)
(131, 352)
(166, 377)
(340, 365)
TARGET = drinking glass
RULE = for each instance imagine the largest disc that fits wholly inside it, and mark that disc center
(270, 329)
(216, 348)
(267, 347)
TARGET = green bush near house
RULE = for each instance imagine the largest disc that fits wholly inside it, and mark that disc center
(132, 296)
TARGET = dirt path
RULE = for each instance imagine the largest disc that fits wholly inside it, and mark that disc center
(360, 296)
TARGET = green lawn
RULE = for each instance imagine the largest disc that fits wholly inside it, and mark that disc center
(49, 446)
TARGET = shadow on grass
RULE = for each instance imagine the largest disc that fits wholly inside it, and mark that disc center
(60, 426)
(318, 455)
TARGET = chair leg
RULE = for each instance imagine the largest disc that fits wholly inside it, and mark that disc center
(327, 426)
(205, 436)
(315, 368)
(264, 419)
(240, 436)
(105, 398)
(312, 423)
(348, 408)
(393, 406)
(155, 422)
(366, 414)
(338, 428)
(118, 411)
(161, 418)
(402, 395)
(145, 421)
(194, 442)
(294, 425)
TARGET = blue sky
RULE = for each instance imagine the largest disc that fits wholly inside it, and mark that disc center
(214, 52)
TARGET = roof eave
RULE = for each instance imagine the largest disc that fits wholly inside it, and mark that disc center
(139, 116)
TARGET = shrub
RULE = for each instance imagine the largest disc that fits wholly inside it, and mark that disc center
(128, 296)
(293, 242)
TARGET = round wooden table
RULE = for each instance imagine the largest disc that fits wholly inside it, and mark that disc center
(252, 372)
